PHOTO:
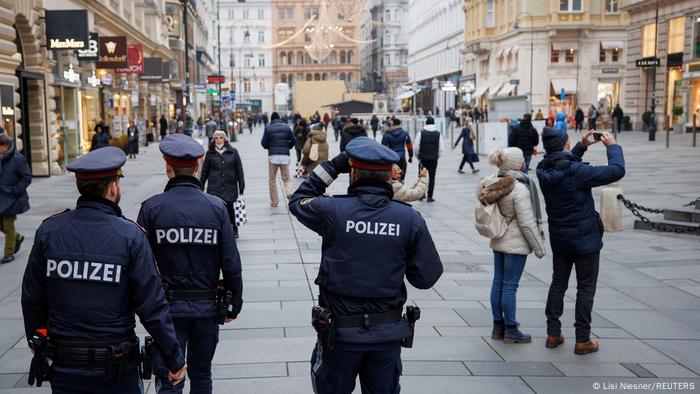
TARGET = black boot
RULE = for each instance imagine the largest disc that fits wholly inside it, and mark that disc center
(499, 330)
(513, 335)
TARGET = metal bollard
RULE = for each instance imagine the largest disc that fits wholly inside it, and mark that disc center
(611, 208)
(695, 128)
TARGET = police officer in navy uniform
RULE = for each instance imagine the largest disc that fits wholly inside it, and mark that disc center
(369, 243)
(90, 270)
(193, 241)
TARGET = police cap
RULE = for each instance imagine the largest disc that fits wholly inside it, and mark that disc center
(99, 164)
(367, 154)
(180, 150)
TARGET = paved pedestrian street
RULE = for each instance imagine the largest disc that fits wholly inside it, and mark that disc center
(646, 313)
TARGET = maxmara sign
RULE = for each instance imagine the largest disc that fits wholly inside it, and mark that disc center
(67, 29)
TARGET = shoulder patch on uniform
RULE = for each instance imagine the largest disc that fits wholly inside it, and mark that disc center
(307, 201)
(56, 214)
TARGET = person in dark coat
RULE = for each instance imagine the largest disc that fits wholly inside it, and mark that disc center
(278, 139)
(575, 228)
(468, 155)
(132, 133)
(398, 140)
(429, 147)
(101, 137)
(301, 131)
(223, 169)
(617, 115)
(350, 132)
(15, 177)
(578, 119)
(525, 137)
(374, 124)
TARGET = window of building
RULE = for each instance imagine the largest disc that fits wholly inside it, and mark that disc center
(387, 15)
(230, 35)
(569, 56)
(246, 36)
(283, 58)
(601, 56)
(290, 79)
(261, 85)
(246, 14)
(490, 17)
(248, 61)
(261, 36)
(309, 77)
(612, 6)
(317, 77)
(676, 35)
(342, 57)
(231, 13)
(616, 55)
(246, 85)
(290, 59)
(261, 14)
(387, 60)
(283, 78)
(342, 76)
(261, 59)
(232, 60)
(649, 40)
(281, 13)
(351, 57)
(570, 5)
(290, 13)
(554, 57)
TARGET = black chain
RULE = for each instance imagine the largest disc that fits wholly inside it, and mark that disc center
(635, 208)
(690, 203)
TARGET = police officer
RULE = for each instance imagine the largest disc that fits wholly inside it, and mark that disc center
(192, 238)
(369, 243)
(89, 272)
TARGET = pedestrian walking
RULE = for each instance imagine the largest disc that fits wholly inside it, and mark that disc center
(101, 138)
(578, 118)
(525, 137)
(163, 123)
(210, 128)
(193, 244)
(405, 193)
(222, 174)
(467, 136)
(315, 149)
(266, 119)
(251, 123)
(617, 116)
(353, 130)
(369, 243)
(398, 140)
(539, 115)
(132, 133)
(518, 201)
(326, 121)
(301, 131)
(429, 147)
(15, 177)
(575, 228)
(278, 139)
(374, 124)
(592, 118)
(85, 323)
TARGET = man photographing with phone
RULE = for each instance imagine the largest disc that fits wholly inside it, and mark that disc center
(575, 228)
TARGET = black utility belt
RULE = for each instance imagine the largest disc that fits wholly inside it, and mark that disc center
(368, 319)
(88, 354)
(187, 294)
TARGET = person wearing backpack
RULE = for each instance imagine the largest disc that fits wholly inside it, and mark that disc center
(315, 149)
(512, 199)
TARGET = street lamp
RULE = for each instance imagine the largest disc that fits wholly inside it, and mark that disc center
(532, 43)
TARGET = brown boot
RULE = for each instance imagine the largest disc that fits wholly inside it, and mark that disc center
(554, 341)
(586, 347)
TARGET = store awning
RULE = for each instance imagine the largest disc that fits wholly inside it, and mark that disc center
(406, 95)
(480, 90)
(568, 84)
(495, 89)
(506, 90)
(563, 45)
(611, 44)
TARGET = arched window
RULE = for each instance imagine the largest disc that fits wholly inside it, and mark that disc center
(342, 57)
(309, 77)
(290, 79)
(342, 76)
(350, 57)
(290, 59)
(317, 77)
(283, 78)
(324, 77)
(283, 58)
(350, 78)
(334, 57)
(300, 57)
(307, 59)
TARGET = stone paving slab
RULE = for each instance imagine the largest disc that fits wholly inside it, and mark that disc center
(512, 368)
(600, 369)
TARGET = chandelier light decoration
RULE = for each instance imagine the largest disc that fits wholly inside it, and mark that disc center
(349, 9)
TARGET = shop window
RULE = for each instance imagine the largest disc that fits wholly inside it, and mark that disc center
(616, 55)
(570, 5)
(601, 56)
(676, 35)
(554, 57)
(612, 6)
(570, 56)
(649, 40)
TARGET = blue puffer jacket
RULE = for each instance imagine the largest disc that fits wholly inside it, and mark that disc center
(278, 138)
(397, 139)
(566, 183)
(15, 177)
(561, 121)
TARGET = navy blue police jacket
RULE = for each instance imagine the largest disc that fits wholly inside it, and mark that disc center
(192, 239)
(370, 242)
(89, 271)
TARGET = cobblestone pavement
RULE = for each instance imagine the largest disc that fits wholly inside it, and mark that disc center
(646, 316)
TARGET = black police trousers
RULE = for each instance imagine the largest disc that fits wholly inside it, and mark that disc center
(335, 371)
(199, 336)
(65, 383)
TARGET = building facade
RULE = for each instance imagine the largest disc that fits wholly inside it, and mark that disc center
(677, 46)
(246, 53)
(564, 54)
(291, 62)
(435, 40)
(52, 99)
(384, 51)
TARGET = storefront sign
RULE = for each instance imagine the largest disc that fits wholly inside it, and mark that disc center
(152, 69)
(674, 60)
(112, 53)
(135, 60)
(107, 79)
(70, 75)
(172, 19)
(165, 72)
(7, 100)
(200, 87)
(611, 70)
(216, 79)
(66, 29)
(93, 80)
(514, 82)
(649, 62)
(90, 53)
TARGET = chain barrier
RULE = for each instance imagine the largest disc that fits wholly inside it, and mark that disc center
(635, 208)
(690, 203)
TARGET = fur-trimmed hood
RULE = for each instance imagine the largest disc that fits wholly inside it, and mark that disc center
(493, 188)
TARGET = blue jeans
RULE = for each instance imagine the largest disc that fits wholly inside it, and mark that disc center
(508, 268)
(528, 158)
